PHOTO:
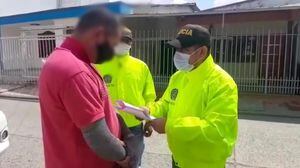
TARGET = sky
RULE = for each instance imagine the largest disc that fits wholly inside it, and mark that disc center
(202, 4)
(11, 7)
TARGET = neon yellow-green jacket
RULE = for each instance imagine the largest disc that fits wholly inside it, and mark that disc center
(202, 120)
(128, 79)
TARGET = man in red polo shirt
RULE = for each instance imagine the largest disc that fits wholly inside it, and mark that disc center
(80, 126)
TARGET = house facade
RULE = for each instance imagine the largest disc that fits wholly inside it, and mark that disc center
(27, 38)
(31, 36)
(258, 45)
(256, 41)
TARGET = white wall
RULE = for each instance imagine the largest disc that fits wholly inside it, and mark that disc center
(10, 31)
(14, 30)
(17, 52)
(20, 53)
(70, 22)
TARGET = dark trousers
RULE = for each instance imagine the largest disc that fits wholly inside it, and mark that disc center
(139, 134)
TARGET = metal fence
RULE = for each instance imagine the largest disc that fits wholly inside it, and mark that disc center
(264, 62)
(21, 58)
(260, 62)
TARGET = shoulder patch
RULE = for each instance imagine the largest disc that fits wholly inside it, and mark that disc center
(174, 94)
(107, 79)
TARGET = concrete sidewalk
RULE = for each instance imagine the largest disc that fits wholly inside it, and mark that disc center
(29, 91)
(268, 105)
(269, 133)
(263, 142)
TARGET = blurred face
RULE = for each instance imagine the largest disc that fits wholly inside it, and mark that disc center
(100, 44)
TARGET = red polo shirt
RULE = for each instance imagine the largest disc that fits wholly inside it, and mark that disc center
(72, 96)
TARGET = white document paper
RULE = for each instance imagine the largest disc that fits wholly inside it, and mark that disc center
(131, 109)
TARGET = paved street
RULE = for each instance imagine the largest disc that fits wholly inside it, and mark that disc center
(269, 142)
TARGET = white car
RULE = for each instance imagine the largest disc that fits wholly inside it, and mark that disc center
(4, 143)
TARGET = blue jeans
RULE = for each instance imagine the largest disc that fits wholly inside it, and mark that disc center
(139, 134)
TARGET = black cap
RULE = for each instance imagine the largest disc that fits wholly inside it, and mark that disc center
(190, 35)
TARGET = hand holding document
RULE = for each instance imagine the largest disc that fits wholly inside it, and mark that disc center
(131, 109)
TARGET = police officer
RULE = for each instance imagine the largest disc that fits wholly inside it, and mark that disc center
(130, 80)
(198, 110)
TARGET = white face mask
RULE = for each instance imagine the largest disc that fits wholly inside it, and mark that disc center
(122, 49)
(181, 61)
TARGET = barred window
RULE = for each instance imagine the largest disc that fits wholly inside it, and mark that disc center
(46, 43)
